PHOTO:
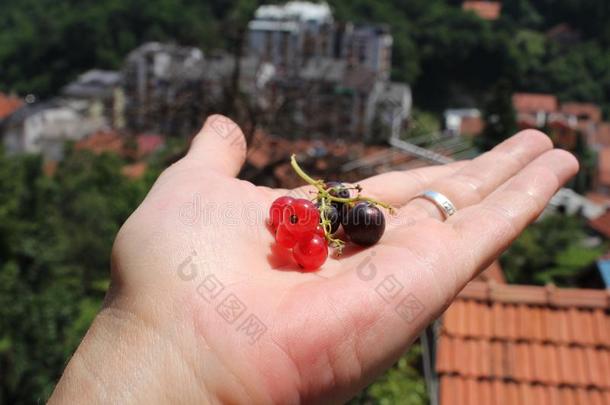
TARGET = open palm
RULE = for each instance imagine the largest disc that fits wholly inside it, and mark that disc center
(196, 265)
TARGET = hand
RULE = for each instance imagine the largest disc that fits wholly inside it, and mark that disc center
(203, 308)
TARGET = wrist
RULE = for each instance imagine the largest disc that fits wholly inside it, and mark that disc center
(125, 357)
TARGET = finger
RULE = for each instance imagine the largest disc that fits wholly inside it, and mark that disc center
(488, 228)
(393, 291)
(481, 176)
(219, 146)
(398, 187)
(395, 187)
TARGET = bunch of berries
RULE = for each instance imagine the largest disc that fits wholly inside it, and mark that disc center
(309, 228)
(297, 225)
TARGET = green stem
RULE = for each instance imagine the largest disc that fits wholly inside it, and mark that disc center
(316, 183)
(319, 185)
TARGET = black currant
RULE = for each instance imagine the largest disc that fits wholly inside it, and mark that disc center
(337, 189)
(331, 213)
(364, 223)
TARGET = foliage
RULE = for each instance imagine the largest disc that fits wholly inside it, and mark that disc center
(499, 116)
(55, 239)
(551, 250)
(423, 125)
(56, 231)
(450, 57)
(402, 384)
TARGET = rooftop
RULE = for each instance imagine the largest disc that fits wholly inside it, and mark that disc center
(584, 111)
(603, 166)
(487, 10)
(9, 104)
(268, 159)
(295, 10)
(534, 102)
(103, 141)
(601, 224)
(525, 344)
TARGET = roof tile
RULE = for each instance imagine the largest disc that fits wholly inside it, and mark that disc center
(525, 344)
(551, 364)
(9, 104)
(533, 102)
(487, 10)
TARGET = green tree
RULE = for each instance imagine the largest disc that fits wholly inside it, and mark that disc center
(499, 116)
(56, 233)
(551, 250)
(402, 384)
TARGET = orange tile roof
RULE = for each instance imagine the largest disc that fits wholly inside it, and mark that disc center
(603, 166)
(487, 10)
(516, 344)
(134, 170)
(601, 224)
(102, 142)
(591, 111)
(8, 104)
(472, 125)
(49, 168)
(149, 143)
(267, 153)
(493, 273)
(533, 102)
(598, 198)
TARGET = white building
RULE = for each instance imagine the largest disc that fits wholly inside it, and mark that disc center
(162, 85)
(293, 34)
(44, 128)
(455, 118)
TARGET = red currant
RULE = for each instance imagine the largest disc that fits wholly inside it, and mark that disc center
(301, 216)
(277, 209)
(320, 231)
(310, 253)
(284, 238)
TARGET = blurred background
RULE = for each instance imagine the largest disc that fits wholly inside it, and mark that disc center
(97, 97)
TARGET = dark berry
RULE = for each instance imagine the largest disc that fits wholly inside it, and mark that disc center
(276, 212)
(337, 189)
(301, 216)
(364, 223)
(310, 252)
(332, 214)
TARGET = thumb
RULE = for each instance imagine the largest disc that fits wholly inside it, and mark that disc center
(220, 145)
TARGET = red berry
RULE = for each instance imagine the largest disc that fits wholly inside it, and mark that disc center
(320, 231)
(310, 253)
(277, 209)
(301, 216)
(284, 238)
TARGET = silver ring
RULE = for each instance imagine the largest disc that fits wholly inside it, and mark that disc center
(442, 202)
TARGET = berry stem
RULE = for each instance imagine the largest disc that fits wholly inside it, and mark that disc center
(324, 194)
(326, 225)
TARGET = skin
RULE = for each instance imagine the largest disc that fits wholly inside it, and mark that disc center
(327, 334)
